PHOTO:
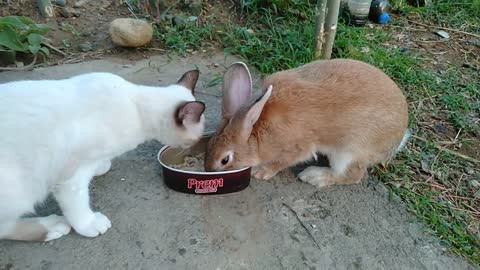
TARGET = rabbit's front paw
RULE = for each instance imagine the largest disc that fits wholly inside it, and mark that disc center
(263, 173)
(317, 176)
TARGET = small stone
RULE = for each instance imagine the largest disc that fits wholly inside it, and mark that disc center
(122, 179)
(365, 49)
(475, 42)
(469, 171)
(86, 34)
(86, 46)
(80, 3)
(442, 34)
(63, 12)
(216, 65)
(61, 3)
(474, 183)
(128, 32)
(440, 128)
(250, 31)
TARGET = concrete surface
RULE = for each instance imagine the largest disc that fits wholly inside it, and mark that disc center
(278, 224)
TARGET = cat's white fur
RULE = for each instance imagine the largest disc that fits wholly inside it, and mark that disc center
(55, 135)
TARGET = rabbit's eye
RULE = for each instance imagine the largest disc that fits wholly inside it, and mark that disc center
(225, 160)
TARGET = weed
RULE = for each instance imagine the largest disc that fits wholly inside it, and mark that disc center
(22, 34)
(67, 27)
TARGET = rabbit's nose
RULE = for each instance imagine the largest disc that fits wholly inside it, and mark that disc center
(208, 166)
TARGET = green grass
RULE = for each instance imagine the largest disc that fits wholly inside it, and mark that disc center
(274, 42)
(455, 14)
(187, 37)
(273, 38)
(404, 178)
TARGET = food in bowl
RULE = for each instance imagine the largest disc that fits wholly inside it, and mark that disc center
(183, 171)
(192, 163)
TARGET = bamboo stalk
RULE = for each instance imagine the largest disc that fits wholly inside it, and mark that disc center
(320, 12)
(333, 7)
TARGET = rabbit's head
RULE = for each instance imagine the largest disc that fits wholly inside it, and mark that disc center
(233, 147)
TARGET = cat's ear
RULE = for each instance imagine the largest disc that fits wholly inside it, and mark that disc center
(189, 113)
(189, 79)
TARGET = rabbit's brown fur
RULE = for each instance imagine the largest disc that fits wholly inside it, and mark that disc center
(348, 110)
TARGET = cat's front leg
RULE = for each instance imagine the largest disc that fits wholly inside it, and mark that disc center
(73, 197)
(103, 167)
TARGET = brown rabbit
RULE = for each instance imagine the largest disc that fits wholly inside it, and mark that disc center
(347, 110)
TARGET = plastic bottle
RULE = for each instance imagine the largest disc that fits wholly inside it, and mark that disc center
(378, 12)
(356, 11)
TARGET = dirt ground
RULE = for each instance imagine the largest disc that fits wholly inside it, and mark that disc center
(88, 22)
(277, 224)
(282, 224)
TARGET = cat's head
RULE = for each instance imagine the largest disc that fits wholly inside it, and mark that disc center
(189, 118)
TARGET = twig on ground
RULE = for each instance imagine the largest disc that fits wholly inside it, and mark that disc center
(473, 212)
(54, 48)
(458, 183)
(303, 225)
(448, 150)
(408, 28)
(445, 28)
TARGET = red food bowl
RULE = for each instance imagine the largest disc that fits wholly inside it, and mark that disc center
(202, 183)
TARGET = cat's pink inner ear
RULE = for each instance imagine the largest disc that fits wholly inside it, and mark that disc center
(190, 112)
(189, 79)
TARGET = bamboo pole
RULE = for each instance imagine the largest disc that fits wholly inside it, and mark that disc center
(320, 11)
(333, 7)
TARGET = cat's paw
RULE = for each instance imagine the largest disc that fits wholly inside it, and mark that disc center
(317, 176)
(262, 173)
(98, 224)
(56, 226)
(103, 168)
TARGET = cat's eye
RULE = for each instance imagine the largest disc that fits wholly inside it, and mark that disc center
(225, 160)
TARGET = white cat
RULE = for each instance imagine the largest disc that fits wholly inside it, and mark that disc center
(55, 135)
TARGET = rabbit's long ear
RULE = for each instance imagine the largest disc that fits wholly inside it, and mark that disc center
(237, 89)
(250, 115)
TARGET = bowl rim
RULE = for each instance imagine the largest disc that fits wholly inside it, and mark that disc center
(194, 172)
